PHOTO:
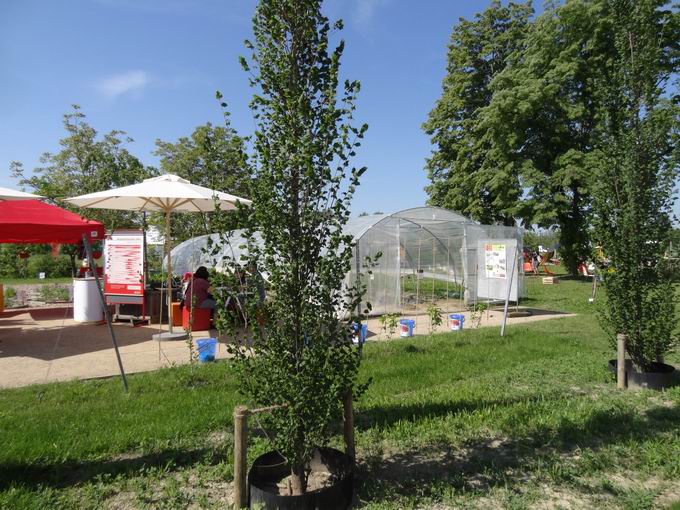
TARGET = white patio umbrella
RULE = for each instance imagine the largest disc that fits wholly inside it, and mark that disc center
(12, 194)
(167, 194)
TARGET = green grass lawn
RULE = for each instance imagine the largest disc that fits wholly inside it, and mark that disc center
(460, 420)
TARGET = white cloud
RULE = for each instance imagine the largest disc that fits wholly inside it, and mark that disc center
(365, 11)
(119, 84)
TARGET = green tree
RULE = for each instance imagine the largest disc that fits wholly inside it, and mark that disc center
(304, 182)
(212, 156)
(637, 168)
(464, 172)
(541, 120)
(86, 163)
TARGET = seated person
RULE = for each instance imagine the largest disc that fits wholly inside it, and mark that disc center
(198, 290)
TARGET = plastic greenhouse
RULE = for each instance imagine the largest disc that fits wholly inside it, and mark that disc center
(429, 255)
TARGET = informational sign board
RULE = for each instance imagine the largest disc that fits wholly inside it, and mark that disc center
(496, 261)
(124, 263)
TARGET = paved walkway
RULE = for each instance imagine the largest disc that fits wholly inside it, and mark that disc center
(491, 318)
(46, 345)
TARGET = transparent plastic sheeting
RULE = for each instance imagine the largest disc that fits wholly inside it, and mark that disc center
(427, 255)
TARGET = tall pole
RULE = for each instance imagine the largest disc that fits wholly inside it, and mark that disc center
(507, 296)
(107, 315)
(167, 250)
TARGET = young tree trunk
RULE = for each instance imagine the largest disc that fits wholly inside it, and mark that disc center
(298, 481)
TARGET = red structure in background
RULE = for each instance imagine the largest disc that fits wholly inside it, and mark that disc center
(35, 222)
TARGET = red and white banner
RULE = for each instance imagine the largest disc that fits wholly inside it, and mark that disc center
(124, 264)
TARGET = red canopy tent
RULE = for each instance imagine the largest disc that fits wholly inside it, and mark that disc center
(33, 221)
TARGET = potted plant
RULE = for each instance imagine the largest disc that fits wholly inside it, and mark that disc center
(636, 169)
(300, 358)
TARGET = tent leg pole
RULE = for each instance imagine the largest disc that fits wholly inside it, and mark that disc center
(107, 315)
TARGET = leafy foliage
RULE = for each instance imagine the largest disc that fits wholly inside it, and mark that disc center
(517, 124)
(637, 165)
(86, 164)
(303, 184)
(212, 156)
(464, 171)
(434, 314)
(541, 120)
(53, 293)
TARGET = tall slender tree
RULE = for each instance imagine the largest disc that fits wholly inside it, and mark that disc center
(303, 184)
(637, 165)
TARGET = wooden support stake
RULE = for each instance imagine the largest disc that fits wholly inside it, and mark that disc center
(621, 361)
(349, 426)
(240, 456)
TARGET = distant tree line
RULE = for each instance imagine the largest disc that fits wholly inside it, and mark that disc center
(518, 127)
(211, 156)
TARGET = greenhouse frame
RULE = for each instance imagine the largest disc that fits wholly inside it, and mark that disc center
(428, 255)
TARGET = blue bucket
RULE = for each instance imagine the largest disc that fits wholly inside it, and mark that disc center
(206, 349)
(456, 321)
(407, 326)
(360, 338)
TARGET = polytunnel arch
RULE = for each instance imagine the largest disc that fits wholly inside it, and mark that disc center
(429, 257)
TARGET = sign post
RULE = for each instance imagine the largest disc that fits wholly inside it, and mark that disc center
(507, 297)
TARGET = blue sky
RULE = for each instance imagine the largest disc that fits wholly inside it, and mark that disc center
(151, 68)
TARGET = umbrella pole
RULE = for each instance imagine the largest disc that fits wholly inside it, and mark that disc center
(169, 289)
(170, 334)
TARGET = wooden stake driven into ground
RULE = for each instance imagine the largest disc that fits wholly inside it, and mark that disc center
(621, 361)
(241, 414)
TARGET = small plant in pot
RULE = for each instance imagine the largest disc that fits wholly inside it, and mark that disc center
(636, 169)
(301, 358)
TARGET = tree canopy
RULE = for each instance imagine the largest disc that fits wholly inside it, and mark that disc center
(303, 184)
(516, 125)
(86, 163)
(212, 156)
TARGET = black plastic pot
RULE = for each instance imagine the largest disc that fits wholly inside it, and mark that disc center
(659, 378)
(269, 468)
(662, 376)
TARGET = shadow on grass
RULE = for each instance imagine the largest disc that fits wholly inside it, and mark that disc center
(509, 462)
(74, 472)
(385, 416)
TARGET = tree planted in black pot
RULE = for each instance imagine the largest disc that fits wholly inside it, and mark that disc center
(637, 167)
(301, 358)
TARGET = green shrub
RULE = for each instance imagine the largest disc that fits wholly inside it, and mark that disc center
(10, 293)
(52, 266)
(53, 292)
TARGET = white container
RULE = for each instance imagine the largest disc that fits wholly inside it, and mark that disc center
(87, 306)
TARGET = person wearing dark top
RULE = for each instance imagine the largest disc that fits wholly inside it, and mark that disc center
(199, 290)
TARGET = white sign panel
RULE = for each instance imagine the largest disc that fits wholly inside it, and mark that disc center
(124, 267)
(496, 261)
(494, 266)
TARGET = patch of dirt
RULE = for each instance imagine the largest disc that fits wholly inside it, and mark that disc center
(317, 480)
(123, 500)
